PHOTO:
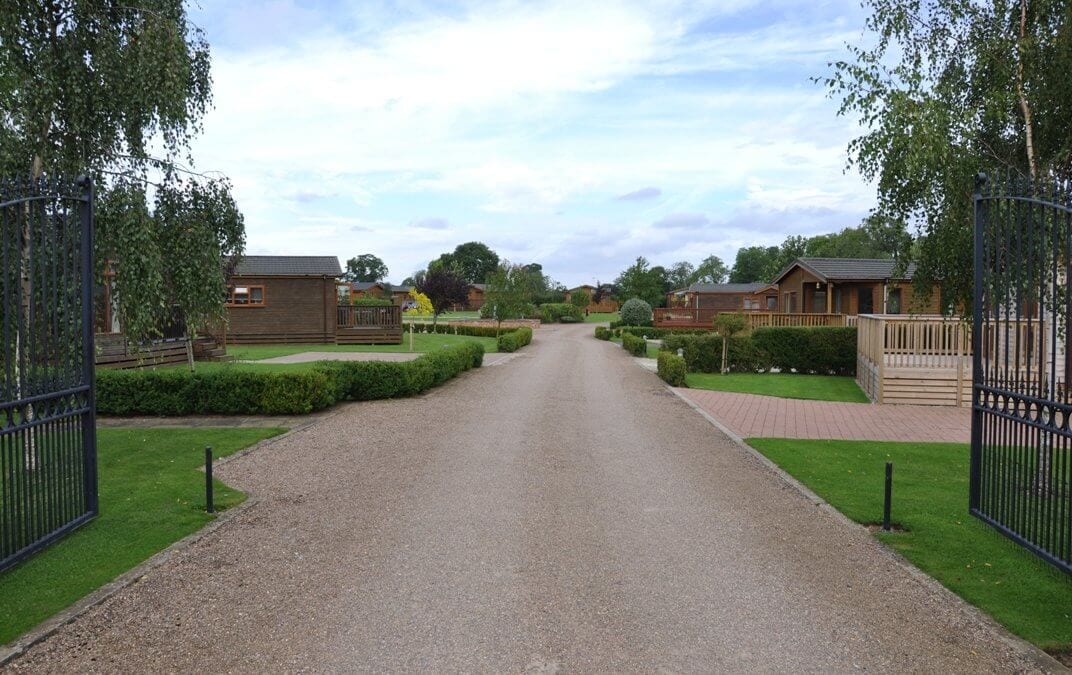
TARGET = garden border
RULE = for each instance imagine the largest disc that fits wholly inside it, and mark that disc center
(1034, 654)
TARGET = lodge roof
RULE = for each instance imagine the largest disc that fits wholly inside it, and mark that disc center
(850, 269)
(288, 266)
(365, 285)
(723, 288)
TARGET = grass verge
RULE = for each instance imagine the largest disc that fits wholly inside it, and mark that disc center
(601, 317)
(930, 498)
(782, 385)
(151, 495)
(422, 342)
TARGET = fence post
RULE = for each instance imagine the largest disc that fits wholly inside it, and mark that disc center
(89, 353)
(888, 498)
(209, 506)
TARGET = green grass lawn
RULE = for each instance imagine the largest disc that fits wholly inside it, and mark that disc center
(601, 317)
(930, 500)
(783, 385)
(422, 342)
(445, 316)
(151, 495)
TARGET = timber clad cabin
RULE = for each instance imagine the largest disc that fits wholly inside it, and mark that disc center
(288, 299)
(808, 292)
(606, 305)
(476, 297)
(850, 286)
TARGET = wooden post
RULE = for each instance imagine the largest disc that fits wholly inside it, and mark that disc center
(829, 298)
(411, 336)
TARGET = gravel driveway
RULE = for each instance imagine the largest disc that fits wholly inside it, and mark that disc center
(563, 511)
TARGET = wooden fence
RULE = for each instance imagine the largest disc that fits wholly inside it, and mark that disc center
(781, 320)
(927, 360)
(368, 325)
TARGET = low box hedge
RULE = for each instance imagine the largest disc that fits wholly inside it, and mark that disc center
(703, 353)
(244, 390)
(602, 333)
(671, 368)
(634, 345)
(515, 339)
(659, 333)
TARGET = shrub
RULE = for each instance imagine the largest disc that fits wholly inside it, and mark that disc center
(634, 345)
(820, 350)
(703, 353)
(513, 340)
(671, 368)
(636, 312)
(556, 312)
(602, 333)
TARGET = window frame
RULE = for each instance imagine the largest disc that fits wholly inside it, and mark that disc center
(230, 302)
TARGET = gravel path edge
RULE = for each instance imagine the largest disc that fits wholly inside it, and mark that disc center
(51, 625)
(1040, 658)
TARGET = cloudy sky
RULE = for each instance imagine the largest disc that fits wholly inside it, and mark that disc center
(575, 134)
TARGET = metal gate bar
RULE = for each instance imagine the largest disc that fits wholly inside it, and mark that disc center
(48, 458)
(1021, 410)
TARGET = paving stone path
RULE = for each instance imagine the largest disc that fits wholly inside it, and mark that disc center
(564, 511)
(751, 416)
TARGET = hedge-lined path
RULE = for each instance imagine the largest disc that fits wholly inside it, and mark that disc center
(210, 421)
(565, 512)
(752, 416)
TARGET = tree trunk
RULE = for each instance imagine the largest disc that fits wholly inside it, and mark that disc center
(725, 352)
(1025, 107)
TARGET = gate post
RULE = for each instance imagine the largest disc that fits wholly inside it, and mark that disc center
(977, 346)
(89, 355)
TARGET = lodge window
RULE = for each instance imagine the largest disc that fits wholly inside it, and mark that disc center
(750, 303)
(772, 303)
(893, 302)
(245, 296)
(865, 301)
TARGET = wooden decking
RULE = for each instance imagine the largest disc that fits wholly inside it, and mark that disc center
(368, 325)
(914, 360)
(699, 317)
(115, 351)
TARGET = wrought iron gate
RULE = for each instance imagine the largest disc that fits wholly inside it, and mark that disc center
(1021, 414)
(48, 451)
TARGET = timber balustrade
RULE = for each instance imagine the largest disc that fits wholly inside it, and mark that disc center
(350, 316)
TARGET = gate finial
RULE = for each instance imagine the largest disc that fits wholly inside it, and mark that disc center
(981, 179)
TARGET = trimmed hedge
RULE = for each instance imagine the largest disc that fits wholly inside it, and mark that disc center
(703, 353)
(513, 340)
(560, 312)
(659, 333)
(233, 390)
(602, 333)
(371, 302)
(818, 350)
(672, 369)
(635, 345)
(636, 312)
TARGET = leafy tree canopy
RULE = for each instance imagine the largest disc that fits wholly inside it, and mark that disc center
(365, 267)
(88, 88)
(754, 263)
(680, 274)
(509, 291)
(948, 88)
(641, 280)
(711, 271)
(472, 261)
(444, 288)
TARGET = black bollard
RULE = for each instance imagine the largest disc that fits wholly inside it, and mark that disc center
(889, 497)
(208, 480)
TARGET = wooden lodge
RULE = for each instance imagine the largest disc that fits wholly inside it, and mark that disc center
(295, 299)
(606, 304)
(808, 292)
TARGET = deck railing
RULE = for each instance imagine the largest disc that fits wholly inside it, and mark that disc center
(350, 316)
(781, 319)
(685, 317)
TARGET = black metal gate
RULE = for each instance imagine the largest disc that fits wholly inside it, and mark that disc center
(48, 450)
(1021, 412)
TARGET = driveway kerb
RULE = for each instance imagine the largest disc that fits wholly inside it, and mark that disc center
(1044, 661)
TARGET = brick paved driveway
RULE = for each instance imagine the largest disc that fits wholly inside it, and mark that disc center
(751, 416)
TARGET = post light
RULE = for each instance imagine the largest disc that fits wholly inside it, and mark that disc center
(680, 352)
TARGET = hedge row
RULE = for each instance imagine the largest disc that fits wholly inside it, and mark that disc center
(820, 350)
(672, 369)
(636, 346)
(513, 340)
(560, 312)
(603, 333)
(247, 391)
(658, 333)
